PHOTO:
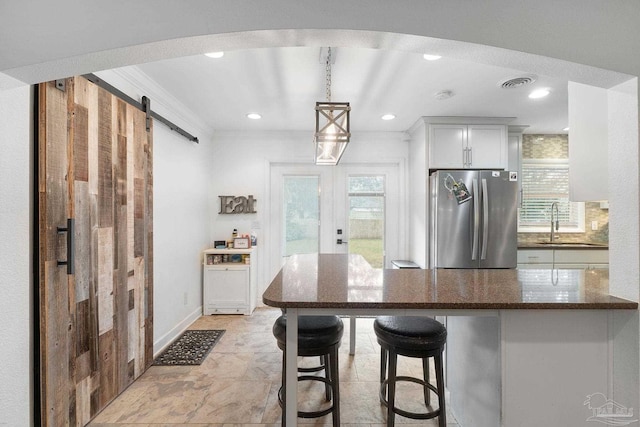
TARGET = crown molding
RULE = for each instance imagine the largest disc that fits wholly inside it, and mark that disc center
(135, 83)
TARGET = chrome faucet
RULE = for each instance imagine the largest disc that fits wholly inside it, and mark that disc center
(557, 222)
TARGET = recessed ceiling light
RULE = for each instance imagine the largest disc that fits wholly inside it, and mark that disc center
(429, 57)
(254, 116)
(388, 117)
(215, 54)
(539, 93)
(566, 129)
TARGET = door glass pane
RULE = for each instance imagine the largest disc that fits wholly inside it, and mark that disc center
(301, 215)
(366, 218)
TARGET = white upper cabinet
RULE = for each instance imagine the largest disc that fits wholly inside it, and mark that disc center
(467, 143)
(448, 146)
(487, 146)
(588, 143)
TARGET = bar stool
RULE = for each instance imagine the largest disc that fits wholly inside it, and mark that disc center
(317, 336)
(420, 337)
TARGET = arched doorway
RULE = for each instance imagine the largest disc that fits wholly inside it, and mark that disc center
(415, 20)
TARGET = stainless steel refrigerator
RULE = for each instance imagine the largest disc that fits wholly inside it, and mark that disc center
(473, 219)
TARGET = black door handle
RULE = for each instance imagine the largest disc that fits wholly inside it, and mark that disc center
(341, 242)
(71, 249)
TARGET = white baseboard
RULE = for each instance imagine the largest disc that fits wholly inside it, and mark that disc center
(166, 339)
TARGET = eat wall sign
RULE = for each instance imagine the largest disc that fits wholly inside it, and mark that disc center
(237, 204)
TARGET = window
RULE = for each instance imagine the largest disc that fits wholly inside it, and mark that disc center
(545, 181)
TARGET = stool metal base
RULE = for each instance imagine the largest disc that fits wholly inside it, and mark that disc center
(328, 363)
(412, 415)
(308, 414)
(317, 336)
(389, 359)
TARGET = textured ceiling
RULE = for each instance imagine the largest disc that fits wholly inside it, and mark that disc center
(283, 84)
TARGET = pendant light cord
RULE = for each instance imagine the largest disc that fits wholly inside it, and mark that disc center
(328, 75)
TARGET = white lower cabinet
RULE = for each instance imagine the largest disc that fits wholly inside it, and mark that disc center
(535, 258)
(563, 258)
(229, 287)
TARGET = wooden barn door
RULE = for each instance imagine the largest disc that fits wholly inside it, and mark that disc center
(95, 211)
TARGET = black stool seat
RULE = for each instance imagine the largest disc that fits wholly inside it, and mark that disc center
(315, 333)
(317, 336)
(410, 333)
(411, 336)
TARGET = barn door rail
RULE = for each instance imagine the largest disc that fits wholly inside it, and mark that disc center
(71, 245)
(142, 106)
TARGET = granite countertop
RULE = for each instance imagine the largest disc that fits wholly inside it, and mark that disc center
(562, 245)
(348, 281)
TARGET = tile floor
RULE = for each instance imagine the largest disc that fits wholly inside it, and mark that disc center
(238, 383)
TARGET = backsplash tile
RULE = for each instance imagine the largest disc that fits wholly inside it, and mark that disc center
(557, 147)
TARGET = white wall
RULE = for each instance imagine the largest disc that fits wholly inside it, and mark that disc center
(181, 175)
(418, 176)
(624, 228)
(241, 162)
(624, 185)
(15, 257)
(588, 119)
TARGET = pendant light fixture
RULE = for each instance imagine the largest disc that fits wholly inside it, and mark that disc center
(332, 125)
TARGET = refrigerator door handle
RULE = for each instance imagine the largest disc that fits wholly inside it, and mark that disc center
(476, 219)
(485, 219)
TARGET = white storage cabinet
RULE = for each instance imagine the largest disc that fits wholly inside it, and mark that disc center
(468, 146)
(229, 287)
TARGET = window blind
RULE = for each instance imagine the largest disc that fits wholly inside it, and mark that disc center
(543, 183)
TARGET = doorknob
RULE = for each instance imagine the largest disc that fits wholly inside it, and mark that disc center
(69, 229)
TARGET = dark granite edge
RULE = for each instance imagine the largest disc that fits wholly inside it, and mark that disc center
(617, 304)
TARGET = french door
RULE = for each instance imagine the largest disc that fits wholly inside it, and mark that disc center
(301, 214)
(368, 209)
(341, 209)
(366, 213)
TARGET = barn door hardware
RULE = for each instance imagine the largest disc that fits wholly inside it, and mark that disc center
(142, 106)
(71, 250)
(61, 84)
(146, 108)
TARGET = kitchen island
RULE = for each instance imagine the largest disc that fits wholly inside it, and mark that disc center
(525, 347)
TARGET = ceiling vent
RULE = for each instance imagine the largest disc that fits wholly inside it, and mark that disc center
(518, 81)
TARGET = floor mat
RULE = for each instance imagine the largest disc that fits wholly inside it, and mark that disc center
(190, 348)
